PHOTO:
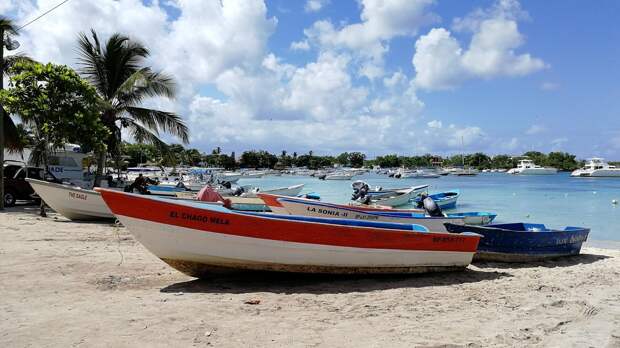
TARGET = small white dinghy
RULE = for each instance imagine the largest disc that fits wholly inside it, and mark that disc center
(72, 202)
(397, 197)
(290, 191)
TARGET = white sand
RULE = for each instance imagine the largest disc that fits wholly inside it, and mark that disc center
(90, 284)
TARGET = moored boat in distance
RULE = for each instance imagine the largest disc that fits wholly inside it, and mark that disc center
(282, 191)
(522, 242)
(597, 167)
(200, 239)
(528, 167)
(397, 197)
(339, 176)
(72, 202)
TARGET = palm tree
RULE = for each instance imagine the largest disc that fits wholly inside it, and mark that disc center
(10, 130)
(117, 72)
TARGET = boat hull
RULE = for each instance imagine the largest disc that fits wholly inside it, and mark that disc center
(307, 207)
(71, 202)
(284, 191)
(198, 240)
(600, 173)
(505, 245)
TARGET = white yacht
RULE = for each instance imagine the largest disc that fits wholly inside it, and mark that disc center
(597, 167)
(527, 167)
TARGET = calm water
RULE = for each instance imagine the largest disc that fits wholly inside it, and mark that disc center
(555, 200)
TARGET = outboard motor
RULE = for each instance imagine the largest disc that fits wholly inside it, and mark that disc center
(238, 191)
(227, 184)
(429, 205)
(360, 192)
(322, 176)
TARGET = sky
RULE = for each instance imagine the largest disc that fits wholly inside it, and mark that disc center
(378, 76)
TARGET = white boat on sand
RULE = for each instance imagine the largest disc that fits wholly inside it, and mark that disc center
(72, 202)
(202, 239)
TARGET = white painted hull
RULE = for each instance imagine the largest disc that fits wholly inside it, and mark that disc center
(290, 191)
(537, 171)
(338, 177)
(72, 203)
(397, 200)
(435, 224)
(181, 246)
(597, 173)
(231, 178)
(194, 185)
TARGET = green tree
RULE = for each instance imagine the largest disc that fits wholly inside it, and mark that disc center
(562, 161)
(356, 159)
(388, 161)
(117, 72)
(536, 156)
(56, 105)
(343, 159)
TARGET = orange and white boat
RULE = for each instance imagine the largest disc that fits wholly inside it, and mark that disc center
(199, 239)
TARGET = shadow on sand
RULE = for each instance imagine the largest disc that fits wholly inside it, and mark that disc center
(290, 283)
(581, 259)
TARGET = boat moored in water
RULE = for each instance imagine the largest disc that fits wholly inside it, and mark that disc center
(522, 242)
(445, 200)
(527, 167)
(199, 239)
(597, 167)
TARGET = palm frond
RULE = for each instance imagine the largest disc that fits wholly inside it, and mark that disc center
(166, 121)
(145, 83)
(91, 62)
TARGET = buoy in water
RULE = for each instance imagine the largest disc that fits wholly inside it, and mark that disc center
(614, 201)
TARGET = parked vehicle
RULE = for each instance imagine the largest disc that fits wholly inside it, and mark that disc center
(15, 185)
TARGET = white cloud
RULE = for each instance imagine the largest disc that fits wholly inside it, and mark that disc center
(300, 45)
(380, 22)
(535, 129)
(234, 93)
(441, 63)
(434, 124)
(315, 5)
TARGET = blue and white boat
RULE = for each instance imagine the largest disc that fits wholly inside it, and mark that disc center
(307, 207)
(522, 242)
(445, 200)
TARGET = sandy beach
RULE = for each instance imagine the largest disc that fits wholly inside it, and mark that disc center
(91, 284)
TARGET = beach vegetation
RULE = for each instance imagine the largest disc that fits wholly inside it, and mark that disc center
(117, 71)
(55, 106)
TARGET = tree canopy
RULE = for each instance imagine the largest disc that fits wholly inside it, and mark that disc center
(56, 105)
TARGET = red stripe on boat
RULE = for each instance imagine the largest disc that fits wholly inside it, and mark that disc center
(282, 230)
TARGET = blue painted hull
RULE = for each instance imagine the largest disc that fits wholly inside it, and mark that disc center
(445, 200)
(519, 243)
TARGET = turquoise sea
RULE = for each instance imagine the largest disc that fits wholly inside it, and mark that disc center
(555, 200)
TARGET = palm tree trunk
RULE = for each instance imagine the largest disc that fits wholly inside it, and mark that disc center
(101, 157)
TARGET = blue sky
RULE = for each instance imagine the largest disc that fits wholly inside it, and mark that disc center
(409, 77)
